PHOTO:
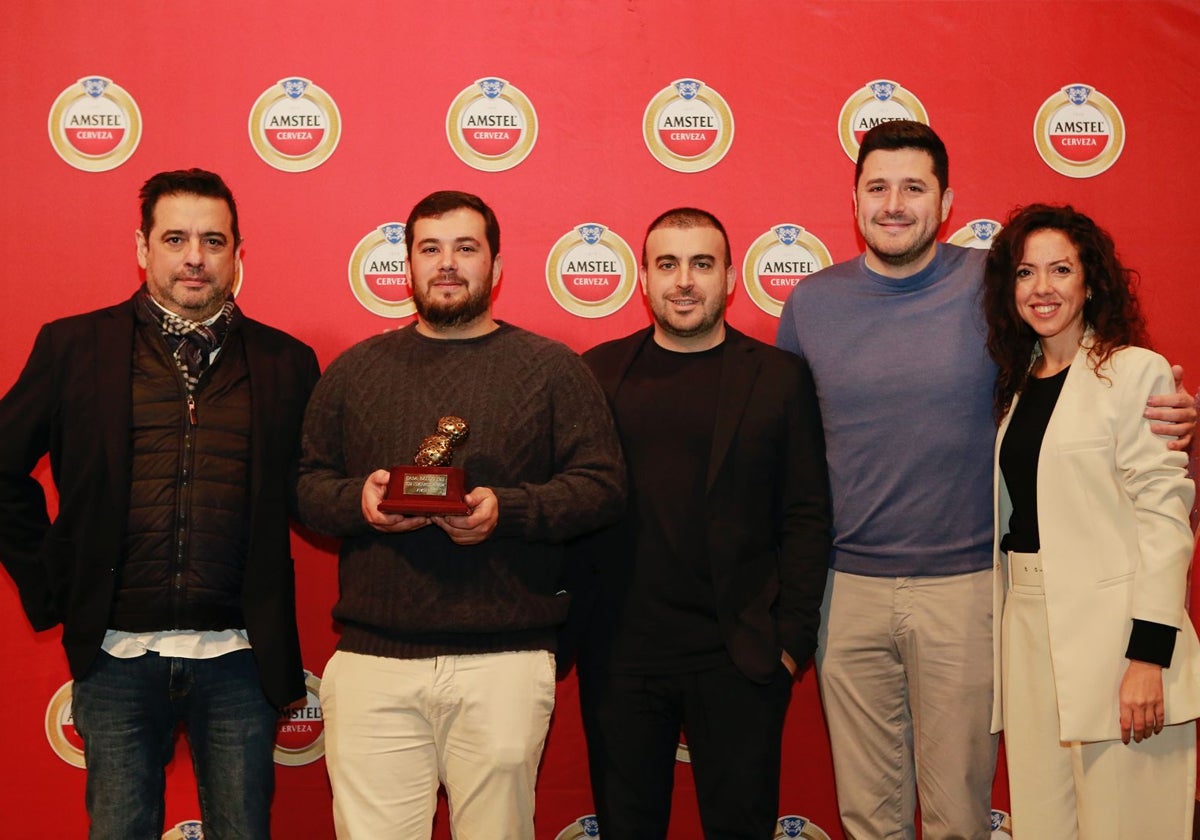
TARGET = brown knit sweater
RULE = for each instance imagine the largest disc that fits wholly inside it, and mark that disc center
(541, 438)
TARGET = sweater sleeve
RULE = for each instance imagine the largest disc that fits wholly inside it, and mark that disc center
(587, 488)
(329, 500)
(1151, 642)
(786, 337)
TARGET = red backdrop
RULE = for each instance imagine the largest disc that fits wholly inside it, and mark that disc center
(980, 70)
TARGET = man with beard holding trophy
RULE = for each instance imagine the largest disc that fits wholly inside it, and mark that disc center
(444, 673)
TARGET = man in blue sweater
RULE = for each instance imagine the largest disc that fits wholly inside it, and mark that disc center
(895, 342)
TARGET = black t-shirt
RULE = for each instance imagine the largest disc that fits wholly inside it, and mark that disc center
(666, 410)
(1019, 458)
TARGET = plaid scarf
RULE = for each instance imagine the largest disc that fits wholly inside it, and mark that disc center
(191, 342)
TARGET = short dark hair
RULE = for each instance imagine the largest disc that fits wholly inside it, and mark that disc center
(687, 217)
(905, 134)
(186, 182)
(446, 201)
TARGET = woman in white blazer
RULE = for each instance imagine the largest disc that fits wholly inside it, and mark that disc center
(1098, 666)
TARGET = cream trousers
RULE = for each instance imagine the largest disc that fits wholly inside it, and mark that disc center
(905, 670)
(1103, 790)
(397, 728)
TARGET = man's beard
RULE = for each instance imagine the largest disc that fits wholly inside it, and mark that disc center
(707, 323)
(196, 304)
(455, 313)
(908, 254)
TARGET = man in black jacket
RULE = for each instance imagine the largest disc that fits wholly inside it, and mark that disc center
(705, 599)
(172, 424)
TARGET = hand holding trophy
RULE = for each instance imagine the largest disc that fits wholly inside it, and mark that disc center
(430, 486)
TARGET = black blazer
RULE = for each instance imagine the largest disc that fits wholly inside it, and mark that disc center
(766, 518)
(73, 401)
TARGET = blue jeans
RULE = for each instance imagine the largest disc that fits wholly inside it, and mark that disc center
(127, 711)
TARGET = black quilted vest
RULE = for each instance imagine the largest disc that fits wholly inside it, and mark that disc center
(188, 527)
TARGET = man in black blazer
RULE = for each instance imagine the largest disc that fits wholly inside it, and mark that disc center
(172, 424)
(698, 610)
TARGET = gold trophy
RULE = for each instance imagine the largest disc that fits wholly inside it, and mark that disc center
(430, 486)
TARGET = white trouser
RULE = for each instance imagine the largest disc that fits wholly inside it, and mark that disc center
(396, 728)
(1102, 790)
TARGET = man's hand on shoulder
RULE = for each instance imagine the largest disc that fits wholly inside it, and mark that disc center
(1174, 414)
(374, 491)
(477, 525)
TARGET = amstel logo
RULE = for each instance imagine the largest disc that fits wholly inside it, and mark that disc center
(491, 125)
(379, 272)
(295, 126)
(1079, 132)
(687, 126)
(60, 728)
(777, 261)
(300, 738)
(878, 101)
(1001, 824)
(591, 271)
(979, 233)
(584, 828)
(186, 830)
(95, 125)
(238, 276)
(792, 826)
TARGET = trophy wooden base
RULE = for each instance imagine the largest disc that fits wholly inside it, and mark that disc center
(426, 491)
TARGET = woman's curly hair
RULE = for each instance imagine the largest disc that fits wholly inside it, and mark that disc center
(1111, 311)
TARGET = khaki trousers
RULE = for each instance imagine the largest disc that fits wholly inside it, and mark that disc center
(1104, 790)
(397, 728)
(905, 671)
